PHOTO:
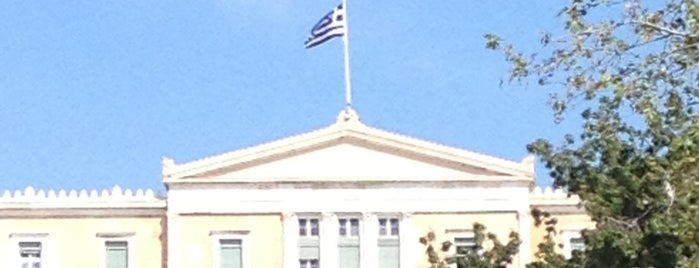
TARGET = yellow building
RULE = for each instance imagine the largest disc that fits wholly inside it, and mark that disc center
(347, 195)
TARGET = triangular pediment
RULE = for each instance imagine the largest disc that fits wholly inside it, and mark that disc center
(347, 151)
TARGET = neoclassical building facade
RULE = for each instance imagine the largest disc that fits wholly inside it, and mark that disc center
(347, 195)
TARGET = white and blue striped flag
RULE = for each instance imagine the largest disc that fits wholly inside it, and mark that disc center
(331, 25)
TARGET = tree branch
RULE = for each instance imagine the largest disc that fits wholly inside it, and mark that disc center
(661, 29)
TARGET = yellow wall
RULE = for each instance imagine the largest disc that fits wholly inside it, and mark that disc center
(73, 242)
(565, 222)
(264, 239)
(501, 224)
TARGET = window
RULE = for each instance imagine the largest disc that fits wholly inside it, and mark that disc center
(308, 263)
(577, 243)
(117, 255)
(349, 227)
(464, 245)
(30, 254)
(230, 249)
(388, 227)
(572, 240)
(348, 243)
(308, 227)
(309, 242)
(389, 243)
(231, 253)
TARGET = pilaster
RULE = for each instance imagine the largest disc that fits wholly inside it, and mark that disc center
(173, 241)
(328, 240)
(368, 241)
(408, 239)
(524, 236)
(290, 233)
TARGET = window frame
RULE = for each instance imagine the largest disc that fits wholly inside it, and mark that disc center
(348, 228)
(388, 228)
(455, 234)
(41, 238)
(217, 237)
(104, 238)
(567, 235)
(308, 227)
(309, 263)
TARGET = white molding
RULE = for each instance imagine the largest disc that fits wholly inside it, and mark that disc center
(232, 235)
(392, 200)
(49, 256)
(103, 238)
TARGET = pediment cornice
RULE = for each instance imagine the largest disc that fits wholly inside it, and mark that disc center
(348, 129)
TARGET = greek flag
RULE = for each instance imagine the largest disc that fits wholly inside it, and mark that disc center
(331, 25)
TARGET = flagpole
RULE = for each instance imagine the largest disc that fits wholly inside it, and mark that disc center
(345, 39)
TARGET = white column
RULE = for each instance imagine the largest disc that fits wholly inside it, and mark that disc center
(408, 241)
(173, 234)
(290, 233)
(328, 240)
(368, 241)
(525, 236)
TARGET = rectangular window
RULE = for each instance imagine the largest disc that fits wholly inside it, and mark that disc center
(349, 227)
(388, 227)
(464, 245)
(348, 243)
(309, 263)
(30, 254)
(577, 243)
(309, 242)
(231, 253)
(389, 243)
(117, 254)
(308, 227)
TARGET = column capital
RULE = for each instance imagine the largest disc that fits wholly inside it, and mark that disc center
(328, 215)
(287, 216)
(368, 216)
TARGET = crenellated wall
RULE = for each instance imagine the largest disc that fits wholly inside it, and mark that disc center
(114, 198)
(552, 197)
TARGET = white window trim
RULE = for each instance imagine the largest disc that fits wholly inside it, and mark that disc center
(308, 218)
(567, 235)
(216, 238)
(103, 238)
(453, 234)
(47, 260)
(388, 218)
(348, 226)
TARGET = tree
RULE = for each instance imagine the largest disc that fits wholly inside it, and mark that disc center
(630, 69)
(486, 252)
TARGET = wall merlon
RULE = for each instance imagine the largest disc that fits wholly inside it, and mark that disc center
(82, 198)
(551, 196)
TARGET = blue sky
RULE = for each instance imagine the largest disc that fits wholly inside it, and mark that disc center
(95, 93)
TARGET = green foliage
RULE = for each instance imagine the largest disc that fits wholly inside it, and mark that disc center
(487, 252)
(631, 68)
